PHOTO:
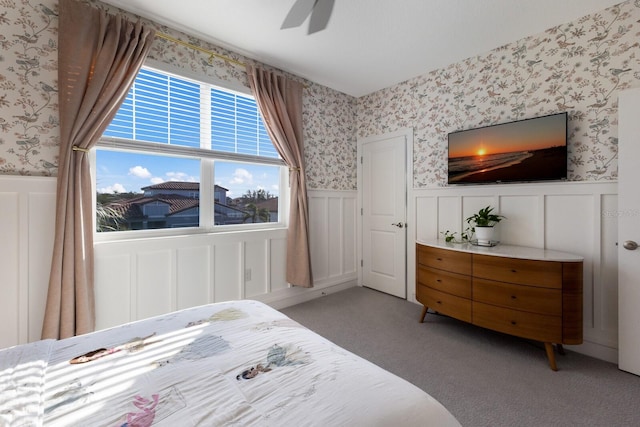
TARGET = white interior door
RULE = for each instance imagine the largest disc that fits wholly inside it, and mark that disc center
(629, 232)
(384, 211)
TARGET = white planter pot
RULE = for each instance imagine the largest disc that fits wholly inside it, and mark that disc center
(484, 235)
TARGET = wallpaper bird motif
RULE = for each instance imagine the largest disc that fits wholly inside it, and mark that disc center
(578, 67)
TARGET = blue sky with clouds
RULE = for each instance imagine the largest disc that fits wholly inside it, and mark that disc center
(121, 172)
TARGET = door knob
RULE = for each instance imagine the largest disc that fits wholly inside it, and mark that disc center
(630, 245)
(398, 224)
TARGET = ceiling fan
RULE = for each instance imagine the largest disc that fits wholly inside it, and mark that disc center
(319, 10)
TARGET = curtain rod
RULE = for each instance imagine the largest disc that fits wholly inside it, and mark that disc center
(208, 52)
(203, 50)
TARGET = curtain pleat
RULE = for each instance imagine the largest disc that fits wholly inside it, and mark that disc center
(99, 56)
(280, 102)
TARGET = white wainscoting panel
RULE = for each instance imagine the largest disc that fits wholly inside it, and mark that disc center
(226, 267)
(577, 217)
(333, 236)
(606, 311)
(10, 329)
(171, 273)
(40, 225)
(193, 267)
(27, 217)
(318, 238)
(524, 223)
(256, 268)
(155, 282)
(278, 281)
(117, 296)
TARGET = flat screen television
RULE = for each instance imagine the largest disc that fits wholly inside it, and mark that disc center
(521, 151)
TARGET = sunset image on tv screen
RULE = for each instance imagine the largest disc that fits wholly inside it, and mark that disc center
(526, 150)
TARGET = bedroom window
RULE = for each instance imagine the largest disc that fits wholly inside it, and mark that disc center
(183, 153)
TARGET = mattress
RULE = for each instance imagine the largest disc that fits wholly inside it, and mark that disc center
(238, 363)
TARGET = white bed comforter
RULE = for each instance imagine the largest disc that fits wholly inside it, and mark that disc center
(239, 363)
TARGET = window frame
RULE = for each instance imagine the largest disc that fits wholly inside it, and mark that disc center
(207, 158)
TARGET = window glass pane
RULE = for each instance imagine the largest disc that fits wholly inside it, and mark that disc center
(149, 189)
(246, 193)
(144, 191)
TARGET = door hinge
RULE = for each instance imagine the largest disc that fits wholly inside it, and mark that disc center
(361, 211)
(360, 159)
(361, 263)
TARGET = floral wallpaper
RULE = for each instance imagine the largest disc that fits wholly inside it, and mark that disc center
(28, 81)
(29, 128)
(577, 67)
(330, 139)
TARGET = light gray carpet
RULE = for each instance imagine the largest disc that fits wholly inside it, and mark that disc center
(484, 378)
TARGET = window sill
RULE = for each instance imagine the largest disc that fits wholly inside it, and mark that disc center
(139, 235)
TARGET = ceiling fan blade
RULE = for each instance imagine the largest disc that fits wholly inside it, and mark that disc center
(320, 15)
(300, 10)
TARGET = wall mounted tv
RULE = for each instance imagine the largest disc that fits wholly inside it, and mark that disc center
(521, 151)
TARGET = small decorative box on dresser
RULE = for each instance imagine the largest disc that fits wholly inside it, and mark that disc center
(527, 292)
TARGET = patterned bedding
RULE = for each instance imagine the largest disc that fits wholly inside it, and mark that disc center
(237, 363)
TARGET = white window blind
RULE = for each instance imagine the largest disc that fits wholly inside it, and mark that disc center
(161, 108)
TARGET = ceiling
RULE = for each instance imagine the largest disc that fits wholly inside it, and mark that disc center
(368, 45)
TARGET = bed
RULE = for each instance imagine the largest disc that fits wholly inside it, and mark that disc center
(238, 363)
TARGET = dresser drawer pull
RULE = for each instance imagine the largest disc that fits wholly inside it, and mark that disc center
(438, 259)
(513, 322)
(514, 271)
(514, 297)
(438, 302)
(439, 280)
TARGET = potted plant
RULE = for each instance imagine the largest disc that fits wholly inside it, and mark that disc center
(482, 224)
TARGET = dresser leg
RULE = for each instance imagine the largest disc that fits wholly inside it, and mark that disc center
(551, 356)
(424, 313)
(560, 349)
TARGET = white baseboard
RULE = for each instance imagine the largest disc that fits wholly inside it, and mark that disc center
(295, 296)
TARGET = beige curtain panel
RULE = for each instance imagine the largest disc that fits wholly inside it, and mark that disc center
(99, 56)
(280, 102)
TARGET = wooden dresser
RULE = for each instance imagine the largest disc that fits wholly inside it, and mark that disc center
(527, 292)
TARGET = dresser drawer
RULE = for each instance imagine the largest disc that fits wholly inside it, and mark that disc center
(519, 297)
(546, 274)
(445, 281)
(519, 323)
(444, 259)
(444, 303)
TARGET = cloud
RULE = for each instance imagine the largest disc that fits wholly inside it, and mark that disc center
(241, 176)
(140, 172)
(156, 180)
(181, 176)
(115, 188)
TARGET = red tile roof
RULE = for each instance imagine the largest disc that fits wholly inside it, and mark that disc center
(174, 185)
(178, 185)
